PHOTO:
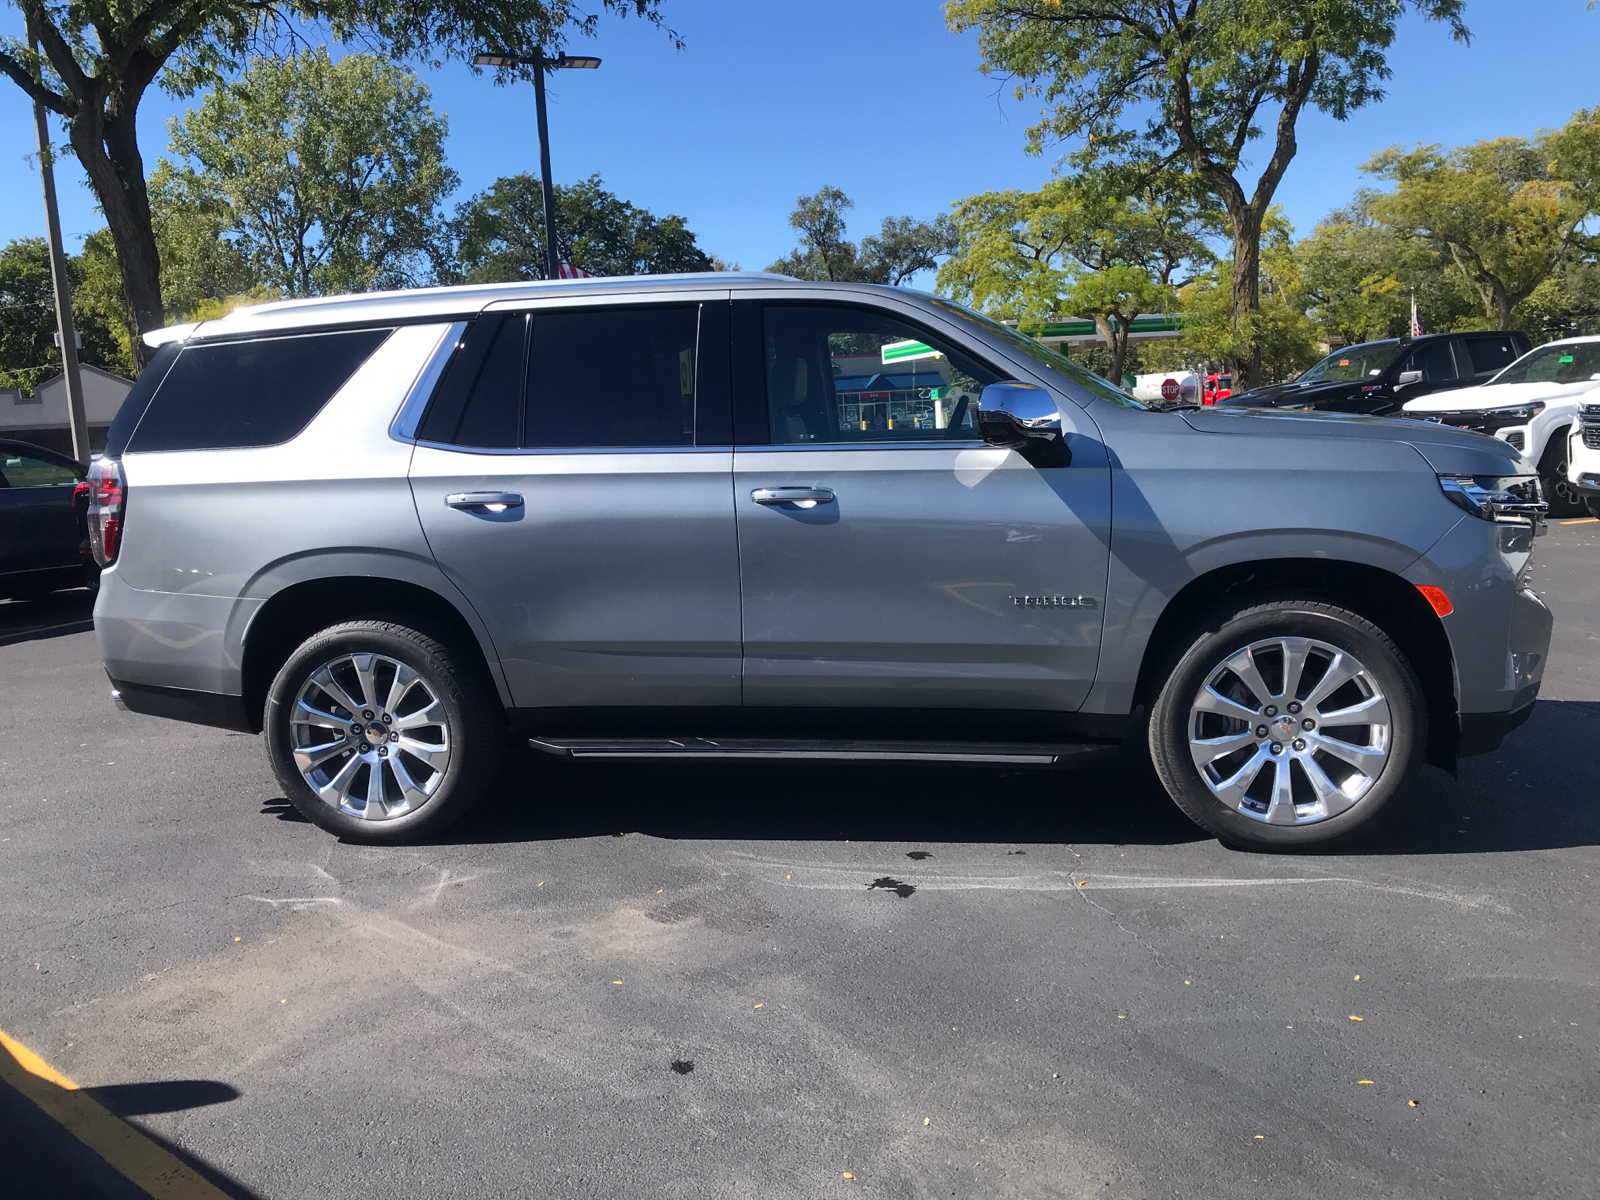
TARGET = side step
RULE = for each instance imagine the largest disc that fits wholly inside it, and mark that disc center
(1014, 753)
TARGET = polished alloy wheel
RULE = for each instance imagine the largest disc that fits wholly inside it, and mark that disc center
(1290, 731)
(370, 736)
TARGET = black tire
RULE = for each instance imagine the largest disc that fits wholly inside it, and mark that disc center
(1204, 653)
(1559, 492)
(1592, 502)
(473, 731)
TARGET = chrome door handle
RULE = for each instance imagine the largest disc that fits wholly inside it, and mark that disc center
(488, 501)
(800, 497)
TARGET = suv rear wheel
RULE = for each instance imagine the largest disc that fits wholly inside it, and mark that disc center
(1288, 725)
(376, 732)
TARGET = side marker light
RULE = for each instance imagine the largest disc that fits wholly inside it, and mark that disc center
(1437, 600)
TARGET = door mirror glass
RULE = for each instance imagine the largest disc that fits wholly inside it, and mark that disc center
(1407, 378)
(1023, 417)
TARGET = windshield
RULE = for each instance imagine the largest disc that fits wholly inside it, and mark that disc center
(1353, 362)
(1039, 352)
(1574, 362)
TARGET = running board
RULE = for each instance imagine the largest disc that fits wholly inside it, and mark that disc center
(1013, 753)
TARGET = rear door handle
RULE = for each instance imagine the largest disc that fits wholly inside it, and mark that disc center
(800, 497)
(488, 501)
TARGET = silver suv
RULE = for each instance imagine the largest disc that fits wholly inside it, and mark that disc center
(741, 515)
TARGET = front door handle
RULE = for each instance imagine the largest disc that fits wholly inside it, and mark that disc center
(488, 501)
(800, 497)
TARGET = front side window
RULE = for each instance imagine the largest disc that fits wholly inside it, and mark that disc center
(1353, 363)
(1574, 362)
(25, 471)
(1434, 360)
(837, 374)
(261, 392)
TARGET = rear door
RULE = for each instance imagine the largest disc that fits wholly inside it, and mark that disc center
(573, 477)
(1487, 354)
(889, 558)
(38, 525)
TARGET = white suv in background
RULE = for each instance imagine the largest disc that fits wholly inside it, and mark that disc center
(1583, 457)
(1533, 405)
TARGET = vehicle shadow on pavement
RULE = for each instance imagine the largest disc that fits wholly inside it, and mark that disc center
(809, 801)
(55, 615)
(75, 1143)
(1539, 791)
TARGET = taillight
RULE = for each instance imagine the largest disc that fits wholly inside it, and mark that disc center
(107, 499)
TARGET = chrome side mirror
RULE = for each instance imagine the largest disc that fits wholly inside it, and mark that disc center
(1407, 378)
(1023, 417)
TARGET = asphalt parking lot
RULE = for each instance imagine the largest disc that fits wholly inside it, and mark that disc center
(675, 980)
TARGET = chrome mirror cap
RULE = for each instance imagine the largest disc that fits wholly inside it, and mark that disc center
(1023, 417)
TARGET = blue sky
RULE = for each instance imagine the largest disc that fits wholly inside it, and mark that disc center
(773, 98)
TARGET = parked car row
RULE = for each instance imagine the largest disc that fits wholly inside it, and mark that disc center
(1491, 383)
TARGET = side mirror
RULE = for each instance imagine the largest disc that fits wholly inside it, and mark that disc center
(1023, 417)
(1407, 378)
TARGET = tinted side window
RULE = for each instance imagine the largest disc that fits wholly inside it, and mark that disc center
(1490, 354)
(1434, 360)
(477, 402)
(23, 471)
(256, 393)
(854, 375)
(138, 398)
(615, 377)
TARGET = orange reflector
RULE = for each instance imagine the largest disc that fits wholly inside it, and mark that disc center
(1437, 599)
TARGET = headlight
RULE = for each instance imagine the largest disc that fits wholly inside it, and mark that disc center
(1515, 414)
(1497, 497)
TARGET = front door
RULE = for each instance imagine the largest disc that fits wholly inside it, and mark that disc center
(38, 524)
(889, 559)
(561, 487)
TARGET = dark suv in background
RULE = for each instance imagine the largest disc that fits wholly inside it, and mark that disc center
(1376, 378)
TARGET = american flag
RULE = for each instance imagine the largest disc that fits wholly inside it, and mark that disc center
(1416, 325)
(568, 271)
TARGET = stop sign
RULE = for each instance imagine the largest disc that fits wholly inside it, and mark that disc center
(1169, 390)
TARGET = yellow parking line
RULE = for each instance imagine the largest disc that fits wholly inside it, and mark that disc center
(136, 1157)
(1581, 521)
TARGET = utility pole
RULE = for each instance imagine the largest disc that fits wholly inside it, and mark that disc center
(551, 257)
(66, 333)
(540, 64)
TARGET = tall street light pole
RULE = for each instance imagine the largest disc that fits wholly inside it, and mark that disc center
(540, 63)
(61, 282)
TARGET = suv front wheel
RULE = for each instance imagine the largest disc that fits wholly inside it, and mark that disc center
(377, 732)
(1288, 725)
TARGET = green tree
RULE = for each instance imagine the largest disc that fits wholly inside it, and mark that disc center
(327, 176)
(499, 234)
(1359, 277)
(1497, 208)
(1155, 83)
(28, 351)
(98, 59)
(902, 246)
(1080, 246)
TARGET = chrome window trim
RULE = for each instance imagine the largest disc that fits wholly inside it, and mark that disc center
(930, 444)
(548, 450)
(404, 426)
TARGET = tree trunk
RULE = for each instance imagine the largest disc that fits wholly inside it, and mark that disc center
(1502, 303)
(106, 146)
(1247, 291)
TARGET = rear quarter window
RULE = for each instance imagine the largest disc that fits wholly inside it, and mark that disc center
(1492, 353)
(261, 392)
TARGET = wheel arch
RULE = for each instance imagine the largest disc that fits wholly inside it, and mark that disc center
(295, 612)
(1381, 596)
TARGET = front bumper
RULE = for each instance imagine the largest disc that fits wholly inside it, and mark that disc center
(1499, 631)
